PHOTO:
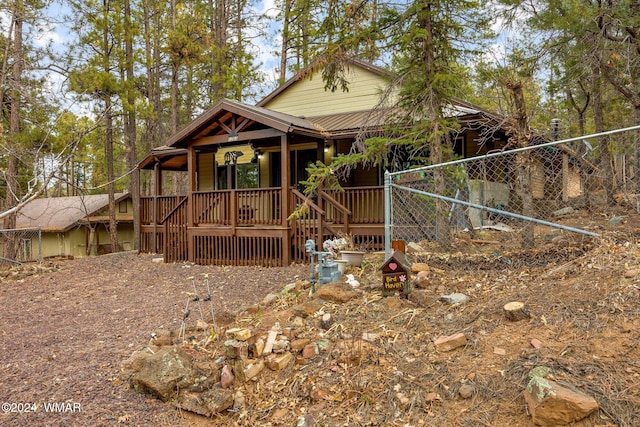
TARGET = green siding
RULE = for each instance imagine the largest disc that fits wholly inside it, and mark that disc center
(308, 97)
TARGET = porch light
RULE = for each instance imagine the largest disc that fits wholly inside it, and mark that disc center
(326, 148)
(233, 136)
(257, 155)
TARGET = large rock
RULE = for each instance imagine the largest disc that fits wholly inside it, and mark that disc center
(336, 292)
(207, 403)
(552, 404)
(135, 363)
(163, 372)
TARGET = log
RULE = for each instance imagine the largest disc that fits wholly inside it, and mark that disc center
(515, 311)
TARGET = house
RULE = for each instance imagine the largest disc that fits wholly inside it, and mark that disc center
(244, 164)
(78, 225)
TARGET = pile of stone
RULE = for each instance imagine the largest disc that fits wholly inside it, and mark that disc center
(184, 374)
(22, 271)
(230, 374)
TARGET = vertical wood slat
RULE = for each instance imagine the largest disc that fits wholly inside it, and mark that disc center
(175, 234)
(366, 204)
(257, 206)
(308, 227)
(238, 251)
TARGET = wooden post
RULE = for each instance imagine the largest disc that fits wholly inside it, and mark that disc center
(191, 167)
(285, 199)
(233, 209)
(157, 191)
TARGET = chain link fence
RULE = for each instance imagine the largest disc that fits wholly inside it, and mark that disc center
(21, 245)
(521, 197)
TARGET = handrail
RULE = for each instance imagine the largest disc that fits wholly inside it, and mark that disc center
(334, 202)
(173, 210)
(315, 207)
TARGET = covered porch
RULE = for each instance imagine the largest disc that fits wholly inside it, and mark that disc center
(244, 227)
(242, 167)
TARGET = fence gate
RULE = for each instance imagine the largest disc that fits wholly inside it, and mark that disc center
(522, 193)
(20, 245)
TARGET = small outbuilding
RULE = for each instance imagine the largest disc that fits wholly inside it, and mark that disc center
(78, 225)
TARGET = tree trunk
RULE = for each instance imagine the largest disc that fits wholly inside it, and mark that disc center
(113, 225)
(108, 120)
(606, 168)
(130, 127)
(175, 104)
(13, 166)
(432, 108)
(523, 164)
(152, 60)
(286, 37)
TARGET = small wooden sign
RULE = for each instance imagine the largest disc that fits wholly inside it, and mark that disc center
(395, 275)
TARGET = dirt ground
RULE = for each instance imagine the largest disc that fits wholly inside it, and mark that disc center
(64, 333)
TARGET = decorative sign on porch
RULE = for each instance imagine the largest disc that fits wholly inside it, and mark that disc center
(395, 275)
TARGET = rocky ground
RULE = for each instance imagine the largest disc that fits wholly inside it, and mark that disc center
(83, 332)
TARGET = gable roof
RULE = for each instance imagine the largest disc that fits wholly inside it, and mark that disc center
(60, 214)
(314, 67)
(228, 116)
(209, 122)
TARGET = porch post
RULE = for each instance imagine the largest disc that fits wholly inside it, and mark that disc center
(191, 167)
(157, 191)
(284, 199)
(320, 202)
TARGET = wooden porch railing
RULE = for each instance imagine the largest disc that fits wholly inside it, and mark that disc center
(336, 213)
(256, 206)
(310, 226)
(358, 211)
(165, 205)
(152, 237)
(176, 242)
(365, 203)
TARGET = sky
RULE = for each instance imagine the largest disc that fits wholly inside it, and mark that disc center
(57, 35)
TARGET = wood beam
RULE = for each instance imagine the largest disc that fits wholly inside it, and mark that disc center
(157, 191)
(242, 136)
(192, 163)
(284, 200)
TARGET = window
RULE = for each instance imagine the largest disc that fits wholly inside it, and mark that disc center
(244, 175)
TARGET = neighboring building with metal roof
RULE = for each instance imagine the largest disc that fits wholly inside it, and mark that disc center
(78, 225)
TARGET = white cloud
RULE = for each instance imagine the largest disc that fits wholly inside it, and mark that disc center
(269, 8)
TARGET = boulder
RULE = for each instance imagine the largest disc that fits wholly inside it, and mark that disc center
(336, 292)
(163, 372)
(553, 404)
(208, 403)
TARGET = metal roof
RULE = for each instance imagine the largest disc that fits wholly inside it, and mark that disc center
(60, 214)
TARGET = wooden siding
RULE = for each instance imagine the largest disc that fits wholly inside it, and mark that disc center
(206, 181)
(308, 97)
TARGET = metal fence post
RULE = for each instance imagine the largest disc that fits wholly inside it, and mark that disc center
(40, 244)
(387, 212)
